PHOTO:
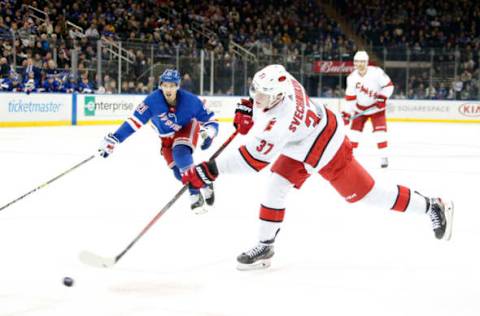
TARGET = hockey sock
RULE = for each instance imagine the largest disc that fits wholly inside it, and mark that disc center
(182, 155)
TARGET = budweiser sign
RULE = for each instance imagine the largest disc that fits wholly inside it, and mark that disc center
(333, 67)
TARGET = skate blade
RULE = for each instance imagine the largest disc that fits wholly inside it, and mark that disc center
(259, 265)
(449, 217)
(200, 210)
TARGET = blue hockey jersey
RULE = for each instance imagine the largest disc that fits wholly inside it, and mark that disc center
(166, 119)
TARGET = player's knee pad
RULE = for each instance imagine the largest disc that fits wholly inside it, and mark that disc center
(182, 155)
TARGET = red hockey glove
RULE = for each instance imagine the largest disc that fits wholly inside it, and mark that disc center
(346, 117)
(243, 120)
(381, 101)
(200, 175)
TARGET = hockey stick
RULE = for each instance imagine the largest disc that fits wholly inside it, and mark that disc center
(49, 181)
(94, 260)
(364, 112)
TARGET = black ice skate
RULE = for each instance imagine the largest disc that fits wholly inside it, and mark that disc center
(384, 162)
(197, 204)
(258, 257)
(209, 194)
(441, 215)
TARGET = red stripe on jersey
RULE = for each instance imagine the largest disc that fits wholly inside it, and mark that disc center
(271, 214)
(403, 199)
(135, 122)
(256, 164)
(350, 97)
(323, 139)
(388, 85)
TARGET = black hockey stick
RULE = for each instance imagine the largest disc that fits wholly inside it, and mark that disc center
(49, 181)
(94, 260)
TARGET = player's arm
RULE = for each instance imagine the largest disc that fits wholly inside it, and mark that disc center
(140, 116)
(252, 157)
(350, 100)
(209, 125)
(386, 90)
(258, 152)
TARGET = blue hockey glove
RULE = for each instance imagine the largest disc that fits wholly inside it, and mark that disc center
(207, 134)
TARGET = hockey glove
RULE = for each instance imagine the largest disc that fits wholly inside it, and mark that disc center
(207, 134)
(108, 145)
(243, 120)
(200, 175)
(346, 117)
(381, 101)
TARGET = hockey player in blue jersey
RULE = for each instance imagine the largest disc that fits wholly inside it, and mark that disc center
(180, 118)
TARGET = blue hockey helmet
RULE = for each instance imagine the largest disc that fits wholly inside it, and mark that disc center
(170, 75)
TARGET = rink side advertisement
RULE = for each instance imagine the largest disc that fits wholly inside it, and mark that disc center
(35, 109)
(44, 109)
(96, 109)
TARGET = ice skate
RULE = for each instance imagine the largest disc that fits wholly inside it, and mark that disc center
(209, 194)
(197, 204)
(384, 162)
(441, 215)
(259, 257)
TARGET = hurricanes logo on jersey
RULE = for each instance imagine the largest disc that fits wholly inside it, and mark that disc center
(270, 124)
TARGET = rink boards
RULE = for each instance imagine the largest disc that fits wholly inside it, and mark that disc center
(54, 109)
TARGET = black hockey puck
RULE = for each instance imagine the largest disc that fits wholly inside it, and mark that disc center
(67, 281)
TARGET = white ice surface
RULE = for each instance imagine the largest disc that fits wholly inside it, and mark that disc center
(331, 258)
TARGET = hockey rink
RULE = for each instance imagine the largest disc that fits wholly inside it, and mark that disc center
(331, 258)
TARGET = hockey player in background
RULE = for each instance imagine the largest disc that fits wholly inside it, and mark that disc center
(179, 117)
(368, 88)
(308, 139)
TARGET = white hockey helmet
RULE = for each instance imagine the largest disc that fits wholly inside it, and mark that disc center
(269, 86)
(361, 55)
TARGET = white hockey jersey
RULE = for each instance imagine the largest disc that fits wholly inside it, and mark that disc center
(362, 91)
(296, 128)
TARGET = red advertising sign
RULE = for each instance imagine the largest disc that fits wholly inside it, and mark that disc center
(470, 109)
(333, 67)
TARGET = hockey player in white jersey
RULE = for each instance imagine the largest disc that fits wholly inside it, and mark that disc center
(307, 139)
(368, 88)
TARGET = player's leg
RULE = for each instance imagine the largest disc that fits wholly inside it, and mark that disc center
(286, 174)
(183, 146)
(379, 124)
(356, 129)
(355, 184)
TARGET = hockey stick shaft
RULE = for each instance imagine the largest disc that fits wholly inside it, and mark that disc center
(48, 182)
(172, 201)
(364, 112)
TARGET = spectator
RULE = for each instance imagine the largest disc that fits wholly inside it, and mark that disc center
(70, 85)
(4, 68)
(457, 87)
(85, 86)
(187, 83)
(31, 84)
(52, 84)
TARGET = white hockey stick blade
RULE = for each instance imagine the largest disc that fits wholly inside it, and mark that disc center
(94, 260)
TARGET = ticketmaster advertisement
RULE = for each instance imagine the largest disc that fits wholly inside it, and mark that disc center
(35, 109)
